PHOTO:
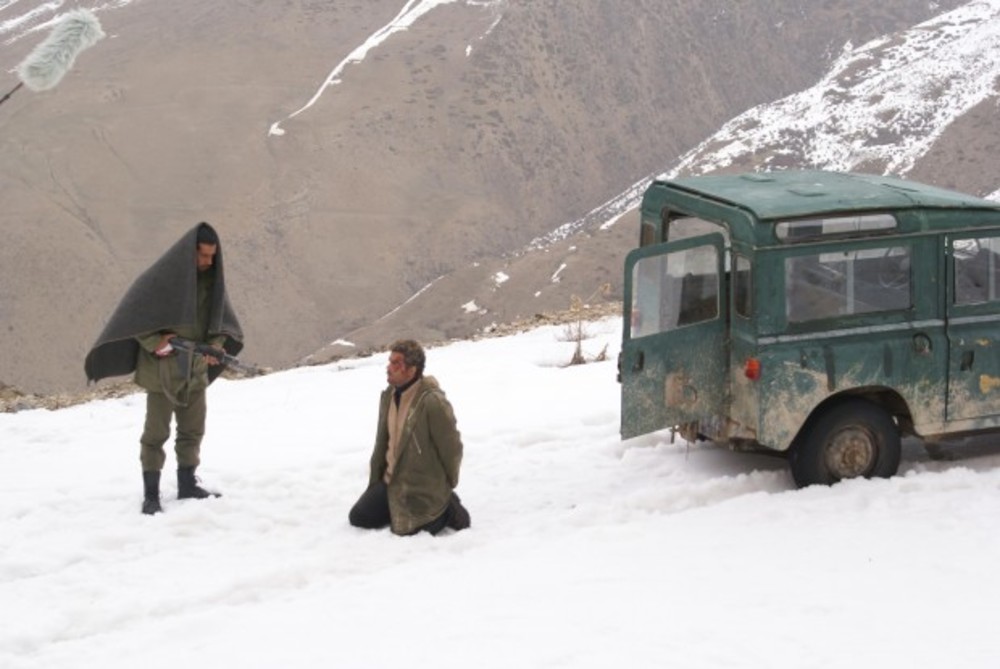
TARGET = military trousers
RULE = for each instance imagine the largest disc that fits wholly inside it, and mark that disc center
(190, 430)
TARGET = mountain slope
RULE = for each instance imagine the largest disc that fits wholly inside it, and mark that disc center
(478, 128)
(919, 103)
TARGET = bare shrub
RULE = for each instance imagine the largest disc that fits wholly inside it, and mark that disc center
(576, 330)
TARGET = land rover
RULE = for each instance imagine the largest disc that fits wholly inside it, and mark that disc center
(820, 315)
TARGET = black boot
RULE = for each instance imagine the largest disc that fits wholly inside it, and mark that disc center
(458, 515)
(151, 493)
(187, 485)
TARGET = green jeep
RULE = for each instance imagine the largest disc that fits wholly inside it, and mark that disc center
(817, 314)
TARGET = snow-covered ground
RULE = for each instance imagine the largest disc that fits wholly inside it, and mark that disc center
(585, 551)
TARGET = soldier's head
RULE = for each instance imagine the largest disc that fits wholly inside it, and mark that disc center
(208, 245)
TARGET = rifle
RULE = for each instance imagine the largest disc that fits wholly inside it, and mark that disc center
(226, 360)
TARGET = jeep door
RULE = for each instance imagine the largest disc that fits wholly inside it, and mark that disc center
(974, 331)
(674, 348)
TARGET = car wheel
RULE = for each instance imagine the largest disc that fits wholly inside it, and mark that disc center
(850, 439)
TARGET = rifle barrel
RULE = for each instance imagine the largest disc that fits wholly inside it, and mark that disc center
(203, 349)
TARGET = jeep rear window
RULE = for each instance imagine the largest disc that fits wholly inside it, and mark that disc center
(674, 290)
(843, 283)
(840, 226)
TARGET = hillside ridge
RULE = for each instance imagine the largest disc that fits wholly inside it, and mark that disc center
(437, 156)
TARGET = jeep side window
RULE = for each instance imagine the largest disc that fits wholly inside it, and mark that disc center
(977, 270)
(847, 282)
(673, 290)
(834, 226)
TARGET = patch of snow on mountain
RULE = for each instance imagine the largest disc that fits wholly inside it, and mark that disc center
(41, 17)
(471, 307)
(605, 215)
(407, 16)
(882, 105)
(555, 276)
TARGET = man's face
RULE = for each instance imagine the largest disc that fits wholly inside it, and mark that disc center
(397, 373)
(206, 256)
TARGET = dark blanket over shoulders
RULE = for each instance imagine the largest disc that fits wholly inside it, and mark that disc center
(164, 297)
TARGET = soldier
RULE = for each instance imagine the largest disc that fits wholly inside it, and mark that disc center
(183, 294)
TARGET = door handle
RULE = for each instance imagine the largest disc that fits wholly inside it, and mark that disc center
(639, 362)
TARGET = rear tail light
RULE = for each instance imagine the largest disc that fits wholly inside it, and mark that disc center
(752, 369)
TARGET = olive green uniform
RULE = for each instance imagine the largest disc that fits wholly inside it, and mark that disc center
(175, 386)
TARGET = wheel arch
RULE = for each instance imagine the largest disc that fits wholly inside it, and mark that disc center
(886, 398)
(850, 435)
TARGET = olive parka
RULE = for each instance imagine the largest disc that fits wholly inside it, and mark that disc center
(430, 455)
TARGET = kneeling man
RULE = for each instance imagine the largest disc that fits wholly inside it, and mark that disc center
(418, 452)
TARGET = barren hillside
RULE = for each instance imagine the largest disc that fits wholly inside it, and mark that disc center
(443, 148)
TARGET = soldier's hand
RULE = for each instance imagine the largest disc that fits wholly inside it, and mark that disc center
(164, 348)
(212, 360)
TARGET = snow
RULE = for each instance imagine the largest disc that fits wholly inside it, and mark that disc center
(605, 215)
(41, 17)
(585, 551)
(886, 102)
(31, 21)
(343, 342)
(411, 298)
(555, 275)
(493, 4)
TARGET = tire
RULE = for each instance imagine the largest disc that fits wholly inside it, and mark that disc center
(851, 439)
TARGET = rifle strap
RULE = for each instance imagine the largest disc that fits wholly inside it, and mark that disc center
(185, 361)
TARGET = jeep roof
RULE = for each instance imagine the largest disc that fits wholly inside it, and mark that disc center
(795, 193)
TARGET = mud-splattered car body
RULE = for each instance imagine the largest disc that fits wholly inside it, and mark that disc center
(758, 305)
